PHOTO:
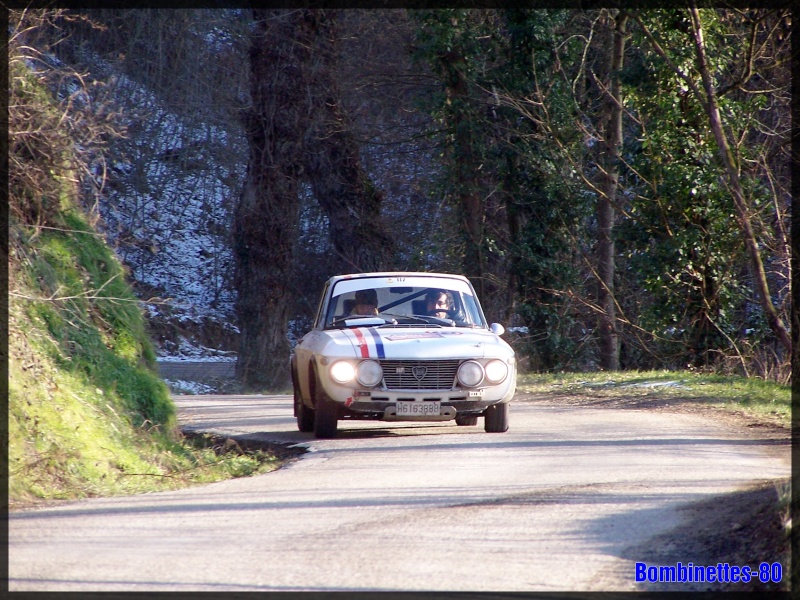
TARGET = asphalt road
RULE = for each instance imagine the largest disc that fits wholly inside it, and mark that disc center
(552, 504)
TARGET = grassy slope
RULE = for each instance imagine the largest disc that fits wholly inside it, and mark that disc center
(87, 414)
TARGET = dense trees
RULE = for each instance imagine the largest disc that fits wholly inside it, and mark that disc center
(297, 132)
(513, 200)
(265, 219)
(710, 191)
(339, 182)
(615, 181)
(624, 106)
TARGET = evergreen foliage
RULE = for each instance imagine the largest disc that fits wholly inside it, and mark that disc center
(521, 100)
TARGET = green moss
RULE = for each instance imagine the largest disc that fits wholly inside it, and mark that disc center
(87, 413)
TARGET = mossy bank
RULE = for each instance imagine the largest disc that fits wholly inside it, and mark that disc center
(87, 413)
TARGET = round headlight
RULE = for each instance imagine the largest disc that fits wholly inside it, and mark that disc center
(342, 372)
(369, 373)
(496, 371)
(470, 373)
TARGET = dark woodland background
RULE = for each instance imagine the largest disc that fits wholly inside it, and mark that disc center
(615, 183)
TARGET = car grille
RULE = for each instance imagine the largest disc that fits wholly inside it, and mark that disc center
(419, 374)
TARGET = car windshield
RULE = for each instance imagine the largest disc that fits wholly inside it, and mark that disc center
(403, 301)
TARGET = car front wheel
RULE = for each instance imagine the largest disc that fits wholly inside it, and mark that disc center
(496, 419)
(305, 415)
(326, 414)
(466, 420)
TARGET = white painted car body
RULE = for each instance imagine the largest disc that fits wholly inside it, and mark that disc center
(401, 364)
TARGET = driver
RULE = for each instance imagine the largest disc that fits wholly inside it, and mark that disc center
(366, 303)
(437, 303)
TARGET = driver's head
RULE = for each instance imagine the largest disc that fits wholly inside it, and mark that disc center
(437, 303)
(366, 302)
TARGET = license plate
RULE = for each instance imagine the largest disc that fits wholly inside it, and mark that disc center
(418, 409)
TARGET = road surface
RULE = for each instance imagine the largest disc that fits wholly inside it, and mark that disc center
(552, 504)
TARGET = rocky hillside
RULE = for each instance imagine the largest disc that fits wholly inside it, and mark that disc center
(87, 413)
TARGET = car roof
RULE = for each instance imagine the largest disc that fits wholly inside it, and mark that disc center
(396, 274)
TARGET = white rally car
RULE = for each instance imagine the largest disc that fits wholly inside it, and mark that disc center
(401, 347)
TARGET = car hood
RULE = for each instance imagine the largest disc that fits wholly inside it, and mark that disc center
(415, 343)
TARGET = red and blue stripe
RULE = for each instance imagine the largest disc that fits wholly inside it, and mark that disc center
(362, 343)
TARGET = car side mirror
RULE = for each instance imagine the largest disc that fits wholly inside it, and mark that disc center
(497, 329)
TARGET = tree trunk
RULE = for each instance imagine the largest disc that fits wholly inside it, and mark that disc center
(296, 129)
(609, 338)
(266, 219)
(743, 217)
(465, 167)
(341, 185)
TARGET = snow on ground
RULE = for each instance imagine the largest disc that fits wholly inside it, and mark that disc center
(165, 213)
(198, 357)
(169, 185)
(192, 388)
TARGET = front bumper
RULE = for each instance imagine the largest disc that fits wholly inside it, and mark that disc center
(381, 404)
(387, 411)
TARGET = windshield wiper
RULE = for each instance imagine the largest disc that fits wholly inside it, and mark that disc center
(426, 319)
(359, 321)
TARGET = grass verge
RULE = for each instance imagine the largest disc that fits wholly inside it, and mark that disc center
(761, 400)
(86, 420)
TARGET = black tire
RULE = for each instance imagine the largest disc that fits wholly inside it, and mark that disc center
(326, 413)
(326, 419)
(305, 418)
(305, 415)
(466, 420)
(496, 419)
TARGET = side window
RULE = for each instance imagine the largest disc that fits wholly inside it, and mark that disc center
(473, 313)
(318, 320)
(334, 309)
